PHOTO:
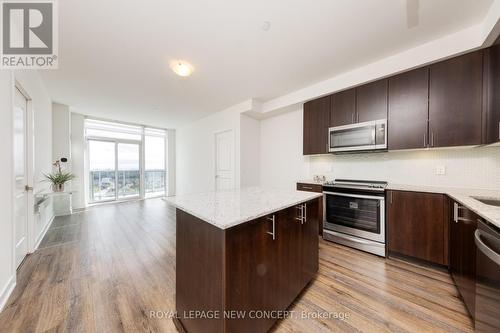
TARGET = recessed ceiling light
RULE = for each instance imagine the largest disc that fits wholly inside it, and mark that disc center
(181, 67)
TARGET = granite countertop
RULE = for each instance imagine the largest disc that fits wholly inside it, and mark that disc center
(225, 209)
(463, 195)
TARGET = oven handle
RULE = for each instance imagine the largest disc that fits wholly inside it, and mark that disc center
(356, 195)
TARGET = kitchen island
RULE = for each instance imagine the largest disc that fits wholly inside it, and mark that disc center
(242, 257)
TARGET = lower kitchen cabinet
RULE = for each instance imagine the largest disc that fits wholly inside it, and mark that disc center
(416, 225)
(463, 253)
(318, 188)
(267, 267)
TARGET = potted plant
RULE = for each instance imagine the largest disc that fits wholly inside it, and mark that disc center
(59, 177)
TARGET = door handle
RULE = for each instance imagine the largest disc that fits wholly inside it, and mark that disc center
(273, 232)
(28, 188)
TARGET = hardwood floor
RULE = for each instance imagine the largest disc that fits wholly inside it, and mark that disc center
(105, 269)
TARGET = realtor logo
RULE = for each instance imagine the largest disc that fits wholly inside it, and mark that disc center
(29, 37)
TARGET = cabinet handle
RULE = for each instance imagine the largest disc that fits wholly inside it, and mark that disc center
(307, 187)
(432, 139)
(357, 117)
(305, 213)
(499, 130)
(352, 117)
(425, 140)
(456, 213)
(391, 197)
(272, 233)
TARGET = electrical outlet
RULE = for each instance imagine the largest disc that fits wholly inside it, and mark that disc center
(440, 170)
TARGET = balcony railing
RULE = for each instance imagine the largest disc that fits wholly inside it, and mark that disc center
(103, 184)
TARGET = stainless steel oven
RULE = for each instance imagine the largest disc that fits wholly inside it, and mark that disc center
(371, 135)
(354, 214)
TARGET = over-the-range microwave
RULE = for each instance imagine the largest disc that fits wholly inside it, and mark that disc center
(367, 136)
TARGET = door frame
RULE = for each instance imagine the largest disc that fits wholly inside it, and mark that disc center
(29, 161)
(233, 157)
(141, 168)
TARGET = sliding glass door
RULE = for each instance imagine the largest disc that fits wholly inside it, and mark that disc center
(115, 171)
(129, 170)
(125, 161)
(102, 167)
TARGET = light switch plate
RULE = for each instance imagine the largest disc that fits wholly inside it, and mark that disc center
(440, 170)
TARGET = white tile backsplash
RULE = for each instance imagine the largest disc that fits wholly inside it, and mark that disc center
(465, 167)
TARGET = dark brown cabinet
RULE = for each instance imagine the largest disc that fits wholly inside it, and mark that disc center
(315, 129)
(455, 101)
(266, 271)
(409, 110)
(343, 108)
(416, 226)
(491, 122)
(463, 224)
(318, 189)
(364, 103)
(371, 101)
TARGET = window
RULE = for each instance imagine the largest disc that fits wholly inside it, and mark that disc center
(117, 168)
(155, 171)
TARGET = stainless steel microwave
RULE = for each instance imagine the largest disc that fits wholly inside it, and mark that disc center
(370, 135)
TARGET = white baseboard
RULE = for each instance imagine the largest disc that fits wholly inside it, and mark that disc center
(44, 231)
(6, 291)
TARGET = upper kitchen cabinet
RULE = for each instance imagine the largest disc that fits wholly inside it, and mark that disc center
(491, 133)
(343, 108)
(455, 101)
(371, 101)
(409, 110)
(315, 129)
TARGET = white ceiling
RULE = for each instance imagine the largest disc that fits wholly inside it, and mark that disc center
(114, 54)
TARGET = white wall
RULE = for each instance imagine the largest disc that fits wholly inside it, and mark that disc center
(61, 129)
(282, 163)
(195, 151)
(78, 148)
(249, 151)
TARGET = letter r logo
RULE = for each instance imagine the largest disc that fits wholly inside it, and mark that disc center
(27, 27)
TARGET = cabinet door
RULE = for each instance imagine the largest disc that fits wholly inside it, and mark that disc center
(309, 241)
(288, 240)
(416, 225)
(491, 121)
(371, 101)
(408, 110)
(343, 108)
(455, 101)
(251, 274)
(315, 130)
(319, 189)
(463, 254)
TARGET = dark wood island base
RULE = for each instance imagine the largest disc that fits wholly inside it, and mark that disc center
(243, 278)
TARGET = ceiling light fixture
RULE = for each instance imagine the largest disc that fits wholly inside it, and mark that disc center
(181, 68)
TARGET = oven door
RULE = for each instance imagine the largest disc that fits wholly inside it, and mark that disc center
(369, 135)
(355, 214)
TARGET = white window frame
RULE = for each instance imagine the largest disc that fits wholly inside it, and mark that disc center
(142, 159)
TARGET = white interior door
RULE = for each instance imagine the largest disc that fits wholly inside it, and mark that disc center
(224, 160)
(21, 181)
